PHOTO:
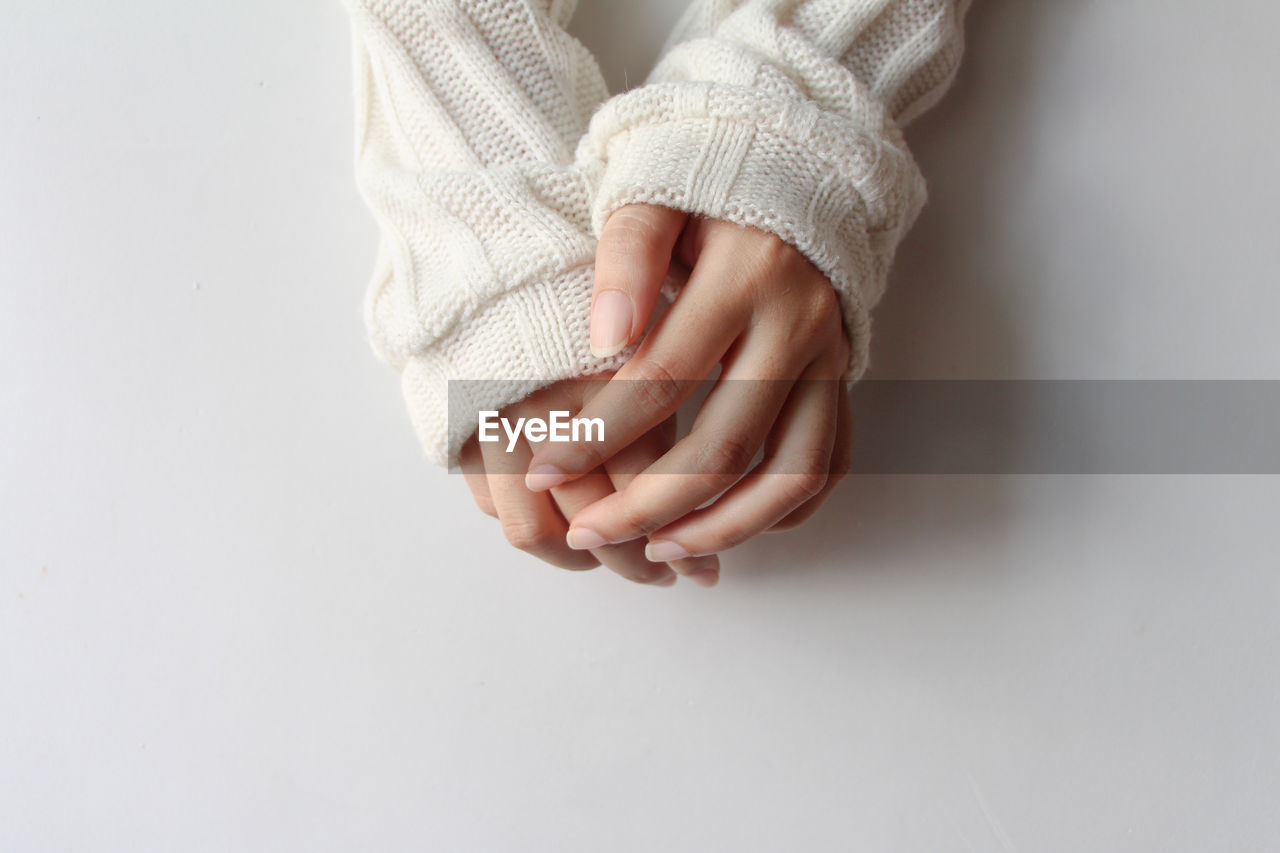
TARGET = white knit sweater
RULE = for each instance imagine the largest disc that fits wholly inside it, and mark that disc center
(491, 156)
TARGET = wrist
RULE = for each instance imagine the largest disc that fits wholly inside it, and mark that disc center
(840, 194)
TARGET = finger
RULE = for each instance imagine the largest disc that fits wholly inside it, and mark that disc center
(632, 259)
(794, 471)
(679, 352)
(704, 570)
(841, 463)
(733, 424)
(624, 466)
(627, 559)
(473, 470)
(530, 520)
(627, 463)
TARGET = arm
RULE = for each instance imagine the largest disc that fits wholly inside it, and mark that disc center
(784, 117)
(787, 116)
(467, 116)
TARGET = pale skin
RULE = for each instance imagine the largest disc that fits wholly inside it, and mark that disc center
(537, 521)
(754, 306)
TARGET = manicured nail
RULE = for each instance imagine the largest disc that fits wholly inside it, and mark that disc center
(707, 579)
(611, 317)
(664, 552)
(669, 580)
(582, 538)
(544, 477)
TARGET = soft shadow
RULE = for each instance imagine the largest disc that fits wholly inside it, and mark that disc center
(624, 62)
(944, 316)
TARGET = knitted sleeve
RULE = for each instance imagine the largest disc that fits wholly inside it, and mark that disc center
(468, 113)
(786, 115)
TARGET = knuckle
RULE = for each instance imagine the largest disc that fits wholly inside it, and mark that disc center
(707, 485)
(814, 462)
(582, 457)
(572, 458)
(639, 520)
(724, 455)
(755, 257)
(628, 235)
(642, 218)
(824, 303)
(766, 250)
(620, 247)
(778, 254)
(657, 391)
(526, 534)
(727, 535)
(820, 315)
(810, 478)
(761, 278)
(807, 485)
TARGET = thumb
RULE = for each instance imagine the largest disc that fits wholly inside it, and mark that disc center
(632, 260)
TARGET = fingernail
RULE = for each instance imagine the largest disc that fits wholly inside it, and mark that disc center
(669, 580)
(582, 538)
(708, 578)
(544, 477)
(664, 552)
(611, 317)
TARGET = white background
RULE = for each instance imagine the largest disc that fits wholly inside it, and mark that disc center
(238, 611)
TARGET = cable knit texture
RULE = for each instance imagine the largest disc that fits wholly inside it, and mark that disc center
(491, 156)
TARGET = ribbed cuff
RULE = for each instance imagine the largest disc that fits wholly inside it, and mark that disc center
(524, 340)
(841, 195)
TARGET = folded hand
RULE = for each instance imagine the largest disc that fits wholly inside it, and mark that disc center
(754, 306)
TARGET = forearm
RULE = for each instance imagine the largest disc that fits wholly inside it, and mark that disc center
(901, 54)
(467, 115)
(789, 121)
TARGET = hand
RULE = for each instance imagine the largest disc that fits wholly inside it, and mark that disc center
(536, 521)
(755, 306)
